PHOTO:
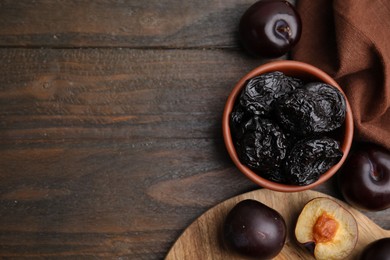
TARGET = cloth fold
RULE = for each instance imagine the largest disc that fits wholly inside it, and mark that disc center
(350, 40)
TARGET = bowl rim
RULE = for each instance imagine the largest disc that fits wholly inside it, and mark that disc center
(284, 65)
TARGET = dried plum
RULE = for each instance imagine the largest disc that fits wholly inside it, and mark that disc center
(238, 117)
(263, 146)
(309, 158)
(315, 108)
(276, 175)
(260, 92)
(332, 105)
(278, 127)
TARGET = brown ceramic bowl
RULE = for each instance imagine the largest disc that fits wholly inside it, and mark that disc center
(299, 70)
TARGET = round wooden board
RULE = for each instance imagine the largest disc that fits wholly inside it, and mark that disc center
(201, 240)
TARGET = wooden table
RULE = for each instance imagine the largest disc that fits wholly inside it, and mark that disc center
(110, 124)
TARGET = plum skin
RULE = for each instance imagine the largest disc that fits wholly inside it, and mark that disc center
(378, 250)
(364, 179)
(270, 28)
(255, 230)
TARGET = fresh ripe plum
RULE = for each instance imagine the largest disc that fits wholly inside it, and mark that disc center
(378, 250)
(364, 179)
(327, 229)
(270, 28)
(254, 230)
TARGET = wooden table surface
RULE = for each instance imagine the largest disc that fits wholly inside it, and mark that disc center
(110, 124)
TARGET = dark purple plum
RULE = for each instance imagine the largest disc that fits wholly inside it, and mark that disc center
(255, 230)
(270, 28)
(364, 179)
(378, 250)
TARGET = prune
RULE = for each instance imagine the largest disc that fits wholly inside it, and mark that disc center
(276, 125)
(238, 117)
(270, 28)
(276, 175)
(333, 105)
(309, 158)
(263, 145)
(315, 108)
(260, 92)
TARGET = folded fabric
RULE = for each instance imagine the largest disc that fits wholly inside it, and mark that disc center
(350, 40)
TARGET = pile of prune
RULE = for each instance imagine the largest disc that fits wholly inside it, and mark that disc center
(281, 127)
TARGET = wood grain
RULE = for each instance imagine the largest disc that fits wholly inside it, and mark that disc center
(111, 153)
(50, 95)
(103, 23)
(201, 240)
(110, 124)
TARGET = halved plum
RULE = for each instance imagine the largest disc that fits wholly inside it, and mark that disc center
(327, 229)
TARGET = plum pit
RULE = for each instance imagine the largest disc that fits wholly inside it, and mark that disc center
(325, 228)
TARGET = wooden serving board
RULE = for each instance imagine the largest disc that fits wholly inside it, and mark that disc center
(201, 240)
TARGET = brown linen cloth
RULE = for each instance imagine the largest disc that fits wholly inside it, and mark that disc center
(350, 40)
